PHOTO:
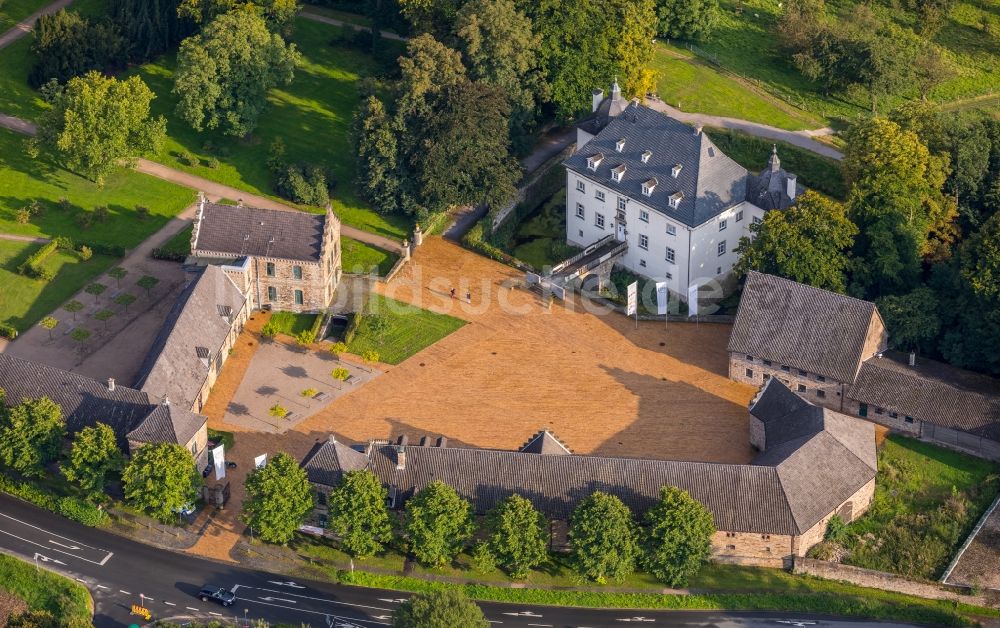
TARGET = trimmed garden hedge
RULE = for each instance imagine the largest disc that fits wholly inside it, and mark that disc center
(32, 267)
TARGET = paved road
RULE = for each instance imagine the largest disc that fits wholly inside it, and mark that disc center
(118, 570)
(23, 27)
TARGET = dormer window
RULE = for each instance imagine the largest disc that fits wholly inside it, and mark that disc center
(646, 155)
(620, 145)
(618, 172)
(594, 161)
(649, 186)
(676, 170)
(675, 199)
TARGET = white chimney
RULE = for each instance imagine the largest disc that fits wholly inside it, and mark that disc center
(790, 186)
(913, 358)
(697, 129)
(400, 457)
(598, 96)
(111, 384)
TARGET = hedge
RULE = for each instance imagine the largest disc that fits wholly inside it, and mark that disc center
(29, 493)
(8, 331)
(475, 241)
(317, 324)
(352, 326)
(101, 248)
(82, 511)
(32, 267)
(167, 255)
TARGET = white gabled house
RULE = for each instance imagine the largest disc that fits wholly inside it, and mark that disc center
(665, 189)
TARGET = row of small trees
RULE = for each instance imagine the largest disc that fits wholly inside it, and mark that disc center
(607, 543)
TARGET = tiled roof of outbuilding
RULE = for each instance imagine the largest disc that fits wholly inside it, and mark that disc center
(800, 326)
(932, 392)
(242, 230)
(328, 461)
(710, 181)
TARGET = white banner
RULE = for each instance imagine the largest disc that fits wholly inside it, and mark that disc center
(219, 460)
(693, 300)
(661, 297)
(260, 461)
(633, 298)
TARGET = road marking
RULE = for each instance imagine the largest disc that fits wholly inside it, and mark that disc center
(523, 614)
(101, 586)
(46, 547)
(545, 625)
(640, 619)
(46, 559)
(69, 547)
(286, 584)
(170, 604)
(277, 599)
(80, 580)
(398, 600)
(58, 536)
(321, 599)
(125, 592)
(216, 614)
(190, 608)
(302, 610)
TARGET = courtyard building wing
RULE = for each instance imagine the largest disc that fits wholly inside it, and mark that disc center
(168, 423)
(194, 331)
(802, 327)
(327, 462)
(253, 231)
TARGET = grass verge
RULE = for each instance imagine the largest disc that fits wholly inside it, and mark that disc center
(359, 257)
(291, 323)
(397, 330)
(44, 590)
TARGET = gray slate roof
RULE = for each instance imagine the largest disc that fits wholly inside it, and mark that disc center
(710, 181)
(85, 402)
(545, 442)
(786, 493)
(931, 391)
(328, 461)
(242, 230)
(195, 329)
(769, 189)
(801, 326)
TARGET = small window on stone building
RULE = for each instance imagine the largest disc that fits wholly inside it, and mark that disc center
(766, 377)
(766, 537)
(749, 358)
(749, 372)
(802, 388)
(820, 378)
(803, 373)
(730, 547)
(270, 269)
(767, 549)
(272, 293)
(821, 394)
(321, 498)
(894, 415)
(296, 272)
(785, 368)
(908, 419)
(767, 363)
(879, 410)
(298, 297)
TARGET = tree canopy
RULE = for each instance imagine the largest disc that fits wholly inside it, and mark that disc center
(518, 536)
(446, 608)
(603, 538)
(67, 45)
(808, 243)
(93, 455)
(686, 19)
(224, 73)
(438, 522)
(160, 479)
(678, 537)
(97, 123)
(278, 499)
(31, 435)
(358, 514)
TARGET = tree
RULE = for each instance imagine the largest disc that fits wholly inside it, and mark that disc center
(679, 19)
(500, 48)
(161, 479)
(912, 319)
(518, 536)
(427, 68)
(438, 522)
(151, 27)
(678, 537)
(97, 123)
(278, 499)
(73, 307)
(104, 316)
(446, 608)
(378, 152)
(125, 299)
(67, 45)
(224, 73)
(430, 16)
(147, 283)
(118, 273)
(603, 538)
(49, 323)
(93, 455)
(358, 513)
(807, 243)
(31, 435)
(277, 13)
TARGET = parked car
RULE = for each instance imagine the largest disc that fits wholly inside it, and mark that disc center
(207, 470)
(217, 594)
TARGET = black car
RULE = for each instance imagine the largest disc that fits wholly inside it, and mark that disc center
(217, 594)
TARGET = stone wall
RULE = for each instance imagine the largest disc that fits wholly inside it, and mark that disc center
(877, 415)
(316, 285)
(891, 582)
(876, 340)
(852, 508)
(753, 371)
(751, 548)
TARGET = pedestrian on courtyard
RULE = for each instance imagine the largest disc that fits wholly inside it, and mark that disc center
(453, 293)
(468, 297)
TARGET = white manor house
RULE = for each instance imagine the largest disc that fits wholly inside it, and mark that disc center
(664, 188)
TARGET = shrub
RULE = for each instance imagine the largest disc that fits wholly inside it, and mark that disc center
(86, 252)
(101, 213)
(167, 255)
(276, 156)
(370, 355)
(340, 373)
(85, 220)
(212, 162)
(142, 212)
(29, 493)
(63, 243)
(309, 392)
(352, 328)
(80, 334)
(270, 330)
(337, 348)
(278, 411)
(113, 250)
(8, 331)
(64, 204)
(82, 512)
(303, 184)
(305, 337)
(186, 158)
(23, 216)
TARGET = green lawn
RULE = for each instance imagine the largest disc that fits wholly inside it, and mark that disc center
(358, 257)
(23, 180)
(691, 84)
(291, 323)
(405, 329)
(927, 499)
(312, 116)
(24, 301)
(13, 11)
(44, 590)
(180, 244)
(222, 438)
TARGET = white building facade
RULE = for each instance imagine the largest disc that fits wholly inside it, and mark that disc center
(666, 189)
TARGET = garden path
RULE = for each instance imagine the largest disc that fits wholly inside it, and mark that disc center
(22, 238)
(309, 15)
(23, 27)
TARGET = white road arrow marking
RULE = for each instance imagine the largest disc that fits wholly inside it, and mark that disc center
(382, 616)
(170, 604)
(46, 559)
(523, 614)
(398, 600)
(286, 584)
(796, 622)
(69, 547)
(639, 619)
(277, 599)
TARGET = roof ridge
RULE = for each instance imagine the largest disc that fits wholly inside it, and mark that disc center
(805, 285)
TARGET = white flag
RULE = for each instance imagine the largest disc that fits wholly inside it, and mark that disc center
(219, 460)
(693, 300)
(260, 461)
(661, 297)
(633, 298)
